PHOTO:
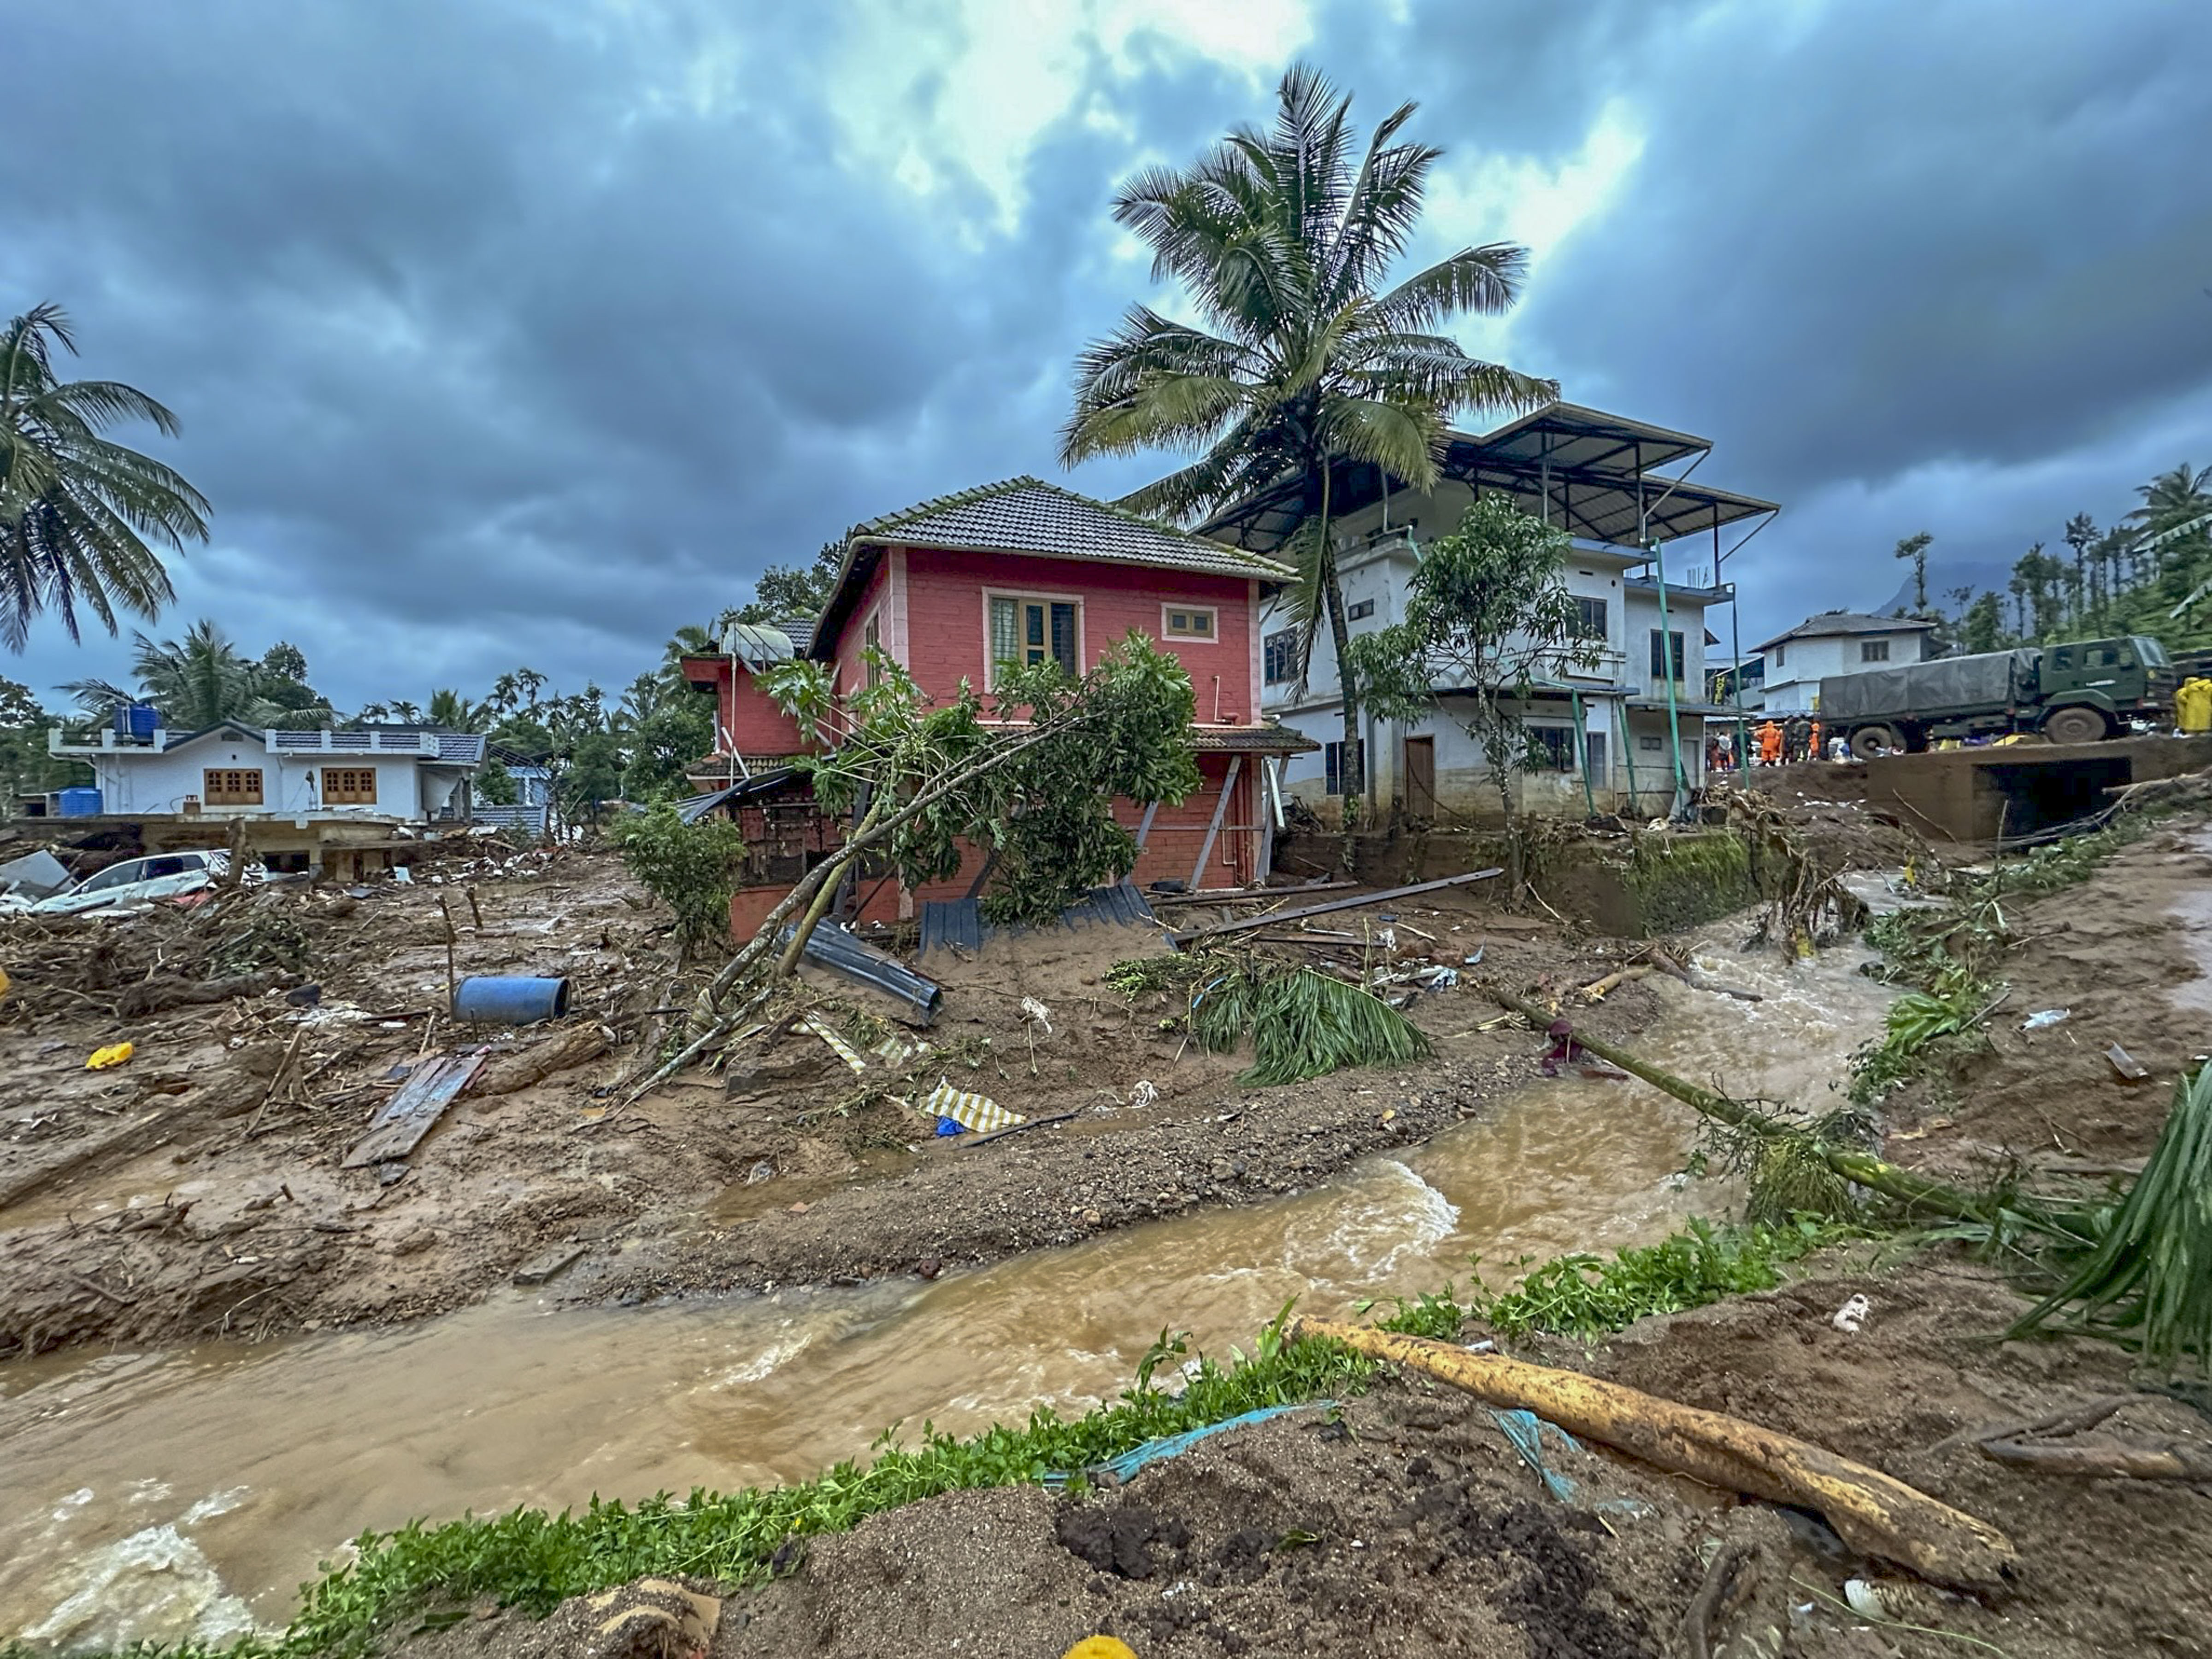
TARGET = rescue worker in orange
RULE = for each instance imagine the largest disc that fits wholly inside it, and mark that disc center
(1770, 745)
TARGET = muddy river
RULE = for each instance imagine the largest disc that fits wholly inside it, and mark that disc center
(187, 1492)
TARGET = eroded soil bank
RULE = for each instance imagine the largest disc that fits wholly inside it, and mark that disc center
(198, 1192)
(1413, 1528)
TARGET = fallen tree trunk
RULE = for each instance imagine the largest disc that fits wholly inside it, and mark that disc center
(1875, 1513)
(1876, 1174)
(159, 996)
(91, 1149)
(572, 1047)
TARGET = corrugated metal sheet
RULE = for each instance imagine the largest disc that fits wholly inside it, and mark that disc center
(853, 959)
(960, 921)
(761, 783)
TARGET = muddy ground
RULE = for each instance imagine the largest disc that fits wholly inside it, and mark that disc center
(1411, 1527)
(199, 1190)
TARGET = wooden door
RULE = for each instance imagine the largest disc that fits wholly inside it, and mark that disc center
(1421, 777)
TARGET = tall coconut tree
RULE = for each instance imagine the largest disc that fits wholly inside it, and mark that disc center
(1282, 240)
(202, 680)
(77, 509)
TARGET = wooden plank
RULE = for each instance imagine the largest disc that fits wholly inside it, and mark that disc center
(1145, 825)
(547, 1263)
(1249, 895)
(1388, 895)
(414, 1111)
(1212, 829)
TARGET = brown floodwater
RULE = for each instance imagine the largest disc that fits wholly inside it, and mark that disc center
(187, 1492)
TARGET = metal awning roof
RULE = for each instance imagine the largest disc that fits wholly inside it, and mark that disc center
(1595, 468)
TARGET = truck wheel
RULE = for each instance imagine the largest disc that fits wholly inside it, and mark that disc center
(1870, 741)
(2075, 725)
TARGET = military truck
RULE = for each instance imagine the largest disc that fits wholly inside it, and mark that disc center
(2083, 692)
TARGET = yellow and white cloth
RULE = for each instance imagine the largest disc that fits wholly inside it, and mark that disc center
(838, 1046)
(969, 1110)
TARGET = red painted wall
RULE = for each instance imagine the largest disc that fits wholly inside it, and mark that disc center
(747, 721)
(851, 671)
(946, 633)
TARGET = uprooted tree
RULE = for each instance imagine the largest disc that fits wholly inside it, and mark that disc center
(1487, 613)
(1029, 777)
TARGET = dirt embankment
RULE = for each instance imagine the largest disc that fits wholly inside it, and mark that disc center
(1411, 1527)
(199, 1190)
(2127, 955)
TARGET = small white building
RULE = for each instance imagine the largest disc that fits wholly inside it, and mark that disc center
(1833, 642)
(1589, 472)
(298, 792)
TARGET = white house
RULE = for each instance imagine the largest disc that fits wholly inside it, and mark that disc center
(1833, 642)
(1589, 472)
(298, 792)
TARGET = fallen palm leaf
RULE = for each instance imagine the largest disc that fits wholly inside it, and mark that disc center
(2149, 1283)
(1875, 1513)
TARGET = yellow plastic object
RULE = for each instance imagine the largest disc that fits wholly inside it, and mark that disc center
(4, 982)
(113, 1054)
(1099, 1647)
(2192, 705)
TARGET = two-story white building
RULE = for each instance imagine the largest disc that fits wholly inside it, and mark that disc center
(299, 794)
(1833, 642)
(1615, 727)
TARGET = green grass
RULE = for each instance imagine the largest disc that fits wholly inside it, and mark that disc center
(1591, 1296)
(426, 1575)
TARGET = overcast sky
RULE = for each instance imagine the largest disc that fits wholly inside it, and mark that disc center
(506, 332)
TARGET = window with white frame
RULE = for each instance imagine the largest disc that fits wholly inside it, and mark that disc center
(1279, 657)
(1359, 612)
(1188, 622)
(1589, 617)
(872, 642)
(1874, 650)
(1025, 630)
(1343, 778)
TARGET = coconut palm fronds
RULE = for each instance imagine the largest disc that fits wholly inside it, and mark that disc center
(2149, 1283)
(1305, 1025)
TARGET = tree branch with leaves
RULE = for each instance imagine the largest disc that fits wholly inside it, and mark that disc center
(1488, 622)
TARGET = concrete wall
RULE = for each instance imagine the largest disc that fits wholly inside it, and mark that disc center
(1792, 686)
(139, 780)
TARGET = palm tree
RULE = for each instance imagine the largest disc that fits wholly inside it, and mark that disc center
(451, 712)
(689, 641)
(1282, 238)
(2080, 535)
(74, 508)
(198, 680)
(2171, 503)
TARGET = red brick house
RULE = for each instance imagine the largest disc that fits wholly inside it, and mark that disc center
(1026, 570)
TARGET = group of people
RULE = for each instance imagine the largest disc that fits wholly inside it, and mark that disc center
(1776, 743)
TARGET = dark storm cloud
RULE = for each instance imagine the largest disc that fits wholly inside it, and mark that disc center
(515, 333)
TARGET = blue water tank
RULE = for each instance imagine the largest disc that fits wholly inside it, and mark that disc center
(77, 803)
(145, 719)
(504, 1000)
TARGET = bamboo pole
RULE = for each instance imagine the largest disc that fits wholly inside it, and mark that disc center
(1875, 1513)
(1875, 1173)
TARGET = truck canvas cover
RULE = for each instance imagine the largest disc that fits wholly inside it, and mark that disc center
(1989, 680)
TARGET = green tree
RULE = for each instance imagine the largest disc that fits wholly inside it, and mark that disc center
(785, 592)
(25, 764)
(2081, 536)
(202, 679)
(693, 868)
(1282, 240)
(1982, 627)
(1487, 615)
(450, 711)
(1915, 548)
(76, 508)
(495, 785)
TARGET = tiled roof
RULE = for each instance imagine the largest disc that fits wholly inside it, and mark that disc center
(1251, 740)
(1027, 515)
(461, 748)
